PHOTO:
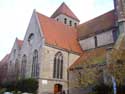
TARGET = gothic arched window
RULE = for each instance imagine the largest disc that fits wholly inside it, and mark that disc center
(16, 68)
(58, 66)
(23, 66)
(30, 38)
(35, 65)
(14, 53)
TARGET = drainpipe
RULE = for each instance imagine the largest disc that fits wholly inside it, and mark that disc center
(114, 85)
(68, 75)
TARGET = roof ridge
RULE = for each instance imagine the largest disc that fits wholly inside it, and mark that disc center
(55, 20)
(97, 25)
(64, 9)
(53, 32)
(97, 17)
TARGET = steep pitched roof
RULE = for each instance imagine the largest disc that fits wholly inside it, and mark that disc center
(97, 25)
(20, 43)
(59, 35)
(98, 55)
(64, 9)
(5, 60)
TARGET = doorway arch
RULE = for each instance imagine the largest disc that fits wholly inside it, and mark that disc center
(57, 88)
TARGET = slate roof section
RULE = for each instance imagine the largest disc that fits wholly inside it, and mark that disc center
(64, 9)
(97, 25)
(58, 34)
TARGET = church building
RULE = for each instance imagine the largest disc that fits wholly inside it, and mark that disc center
(53, 44)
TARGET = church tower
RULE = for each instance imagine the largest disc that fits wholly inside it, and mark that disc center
(119, 6)
(65, 15)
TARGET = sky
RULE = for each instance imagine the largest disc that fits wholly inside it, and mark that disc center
(15, 16)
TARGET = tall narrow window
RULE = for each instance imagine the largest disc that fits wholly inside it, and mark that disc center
(70, 23)
(75, 24)
(31, 38)
(79, 80)
(95, 41)
(10, 68)
(61, 67)
(16, 68)
(14, 53)
(23, 66)
(65, 20)
(54, 69)
(115, 35)
(10, 63)
(58, 66)
(35, 65)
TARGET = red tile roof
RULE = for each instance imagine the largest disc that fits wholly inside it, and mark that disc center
(58, 34)
(98, 52)
(5, 60)
(20, 43)
(97, 25)
(64, 9)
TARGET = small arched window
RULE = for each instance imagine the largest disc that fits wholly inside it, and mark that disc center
(10, 63)
(14, 53)
(16, 68)
(65, 21)
(35, 65)
(75, 24)
(30, 38)
(23, 66)
(58, 66)
(70, 23)
(96, 41)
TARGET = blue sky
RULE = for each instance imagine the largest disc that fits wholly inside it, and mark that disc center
(15, 15)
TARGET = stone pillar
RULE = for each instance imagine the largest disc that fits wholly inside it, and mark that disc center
(119, 6)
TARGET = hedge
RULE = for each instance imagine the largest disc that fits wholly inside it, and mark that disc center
(23, 85)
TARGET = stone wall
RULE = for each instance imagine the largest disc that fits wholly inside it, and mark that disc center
(46, 72)
(13, 59)
(88, 43)
(104, 38)
(29, 47)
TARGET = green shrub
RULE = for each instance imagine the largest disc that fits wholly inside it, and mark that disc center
(19, 92)
(23, 85)
(27, 85)
(102, 89)
(14, 92)
(2, 90)
(10, 86)
(121, 89)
